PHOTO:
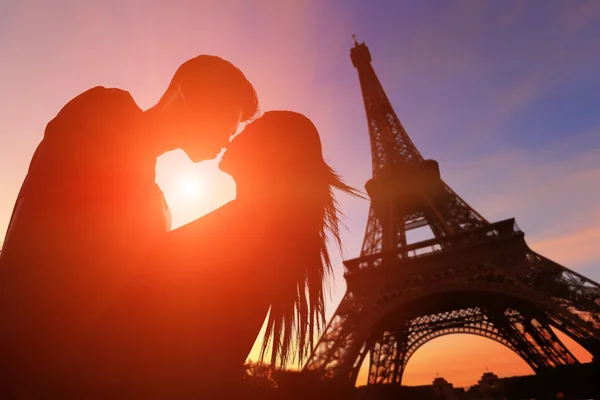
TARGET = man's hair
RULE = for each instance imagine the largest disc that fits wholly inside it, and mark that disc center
(214, 77)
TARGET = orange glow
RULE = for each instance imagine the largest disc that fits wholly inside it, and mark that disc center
(192, 190)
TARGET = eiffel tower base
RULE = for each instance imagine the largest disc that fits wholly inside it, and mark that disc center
(492, 285)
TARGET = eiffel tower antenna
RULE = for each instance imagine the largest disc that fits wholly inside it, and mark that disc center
(471, 276)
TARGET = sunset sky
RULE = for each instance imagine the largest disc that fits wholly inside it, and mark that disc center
(504, 94)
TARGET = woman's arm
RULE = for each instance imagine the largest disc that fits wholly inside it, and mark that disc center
(210, 293)
(232, 234)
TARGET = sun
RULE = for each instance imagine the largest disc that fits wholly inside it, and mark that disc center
(190, 188)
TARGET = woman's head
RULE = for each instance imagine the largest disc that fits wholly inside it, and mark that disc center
(278, 159)
(280, 149)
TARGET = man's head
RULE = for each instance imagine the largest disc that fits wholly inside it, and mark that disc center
(203, 106)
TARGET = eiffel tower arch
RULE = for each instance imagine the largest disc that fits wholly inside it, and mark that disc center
(473, 276)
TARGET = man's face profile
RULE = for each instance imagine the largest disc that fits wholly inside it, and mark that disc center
(204, 129)
(210, 133)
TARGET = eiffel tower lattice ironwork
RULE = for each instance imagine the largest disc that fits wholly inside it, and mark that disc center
(472, 276)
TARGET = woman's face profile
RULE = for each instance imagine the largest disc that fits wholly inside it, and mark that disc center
(272, 148)
(250, 152)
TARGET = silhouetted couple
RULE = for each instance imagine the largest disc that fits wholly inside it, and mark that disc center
(99, 300)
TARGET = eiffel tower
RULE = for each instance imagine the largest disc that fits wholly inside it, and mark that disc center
(472, 276)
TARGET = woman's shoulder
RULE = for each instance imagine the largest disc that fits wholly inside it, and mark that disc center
(206, 231)
(233, 227)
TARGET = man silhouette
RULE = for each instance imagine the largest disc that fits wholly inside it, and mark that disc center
(87, 214)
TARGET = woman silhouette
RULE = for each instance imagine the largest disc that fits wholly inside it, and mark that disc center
(262, 253)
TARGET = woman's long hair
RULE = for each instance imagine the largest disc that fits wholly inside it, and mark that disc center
(297, 312)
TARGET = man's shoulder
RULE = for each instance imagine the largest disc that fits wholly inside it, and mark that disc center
(99, 101)
(100, 94)
(98, 112)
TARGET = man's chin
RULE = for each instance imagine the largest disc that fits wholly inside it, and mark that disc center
(198, 157)
(224, 166)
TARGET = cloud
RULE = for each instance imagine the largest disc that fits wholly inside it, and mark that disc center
(572, 248)
(483, 68)
(554, 197)
(580, 15)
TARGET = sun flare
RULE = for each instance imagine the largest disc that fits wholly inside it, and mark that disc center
(190, 188)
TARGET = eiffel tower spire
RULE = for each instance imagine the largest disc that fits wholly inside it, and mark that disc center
(391, 146)
(406, 190)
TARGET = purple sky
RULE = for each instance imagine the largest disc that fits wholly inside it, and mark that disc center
(504, 94)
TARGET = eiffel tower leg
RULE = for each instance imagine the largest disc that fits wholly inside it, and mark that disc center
(329, 356)
(551, 345)
(400, 355)
(511, 326)
(573, 292)
(387, 358)
(535, 341)
(578, 335)
(383, 356)
(577, 296)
